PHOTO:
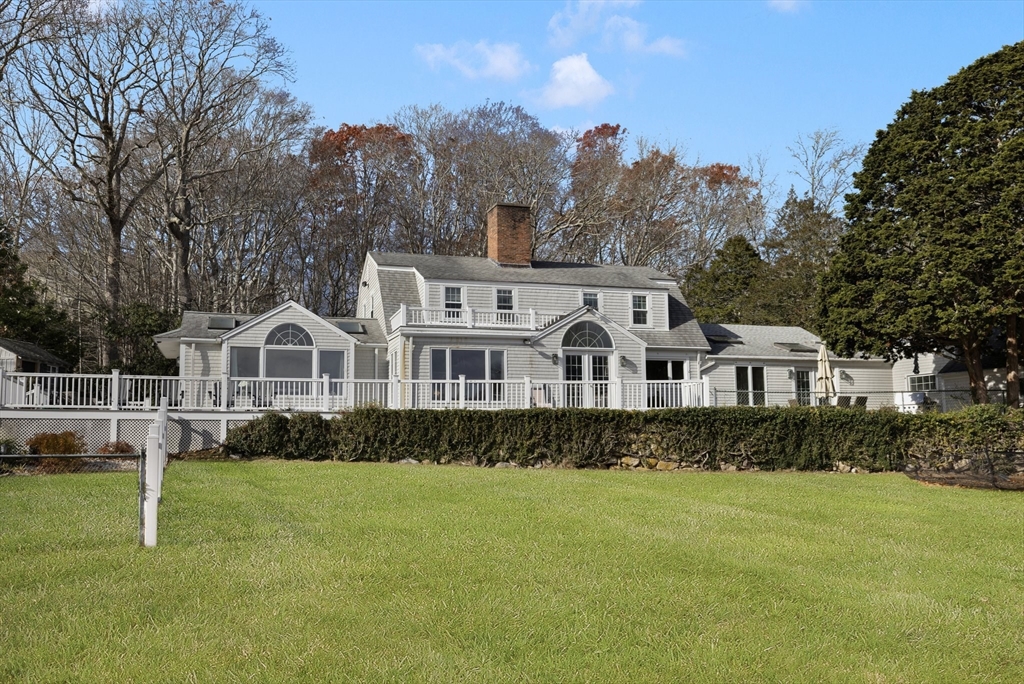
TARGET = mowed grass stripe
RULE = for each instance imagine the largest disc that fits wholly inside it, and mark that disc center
(292, 571)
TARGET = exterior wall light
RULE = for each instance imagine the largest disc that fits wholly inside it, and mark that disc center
(623, 361)
(554, 359)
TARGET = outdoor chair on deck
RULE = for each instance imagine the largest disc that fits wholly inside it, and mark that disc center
(794, 402)
(539, 398)
(861, 402)
(843, 401)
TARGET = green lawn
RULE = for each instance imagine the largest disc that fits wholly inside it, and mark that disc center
(291, 571)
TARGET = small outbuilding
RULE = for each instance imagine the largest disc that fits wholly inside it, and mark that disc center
(25, 357)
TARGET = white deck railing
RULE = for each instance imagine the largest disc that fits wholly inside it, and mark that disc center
(116, 392)
(531, 319)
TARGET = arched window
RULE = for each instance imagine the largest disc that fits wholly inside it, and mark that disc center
(586, 335)
(289, 335)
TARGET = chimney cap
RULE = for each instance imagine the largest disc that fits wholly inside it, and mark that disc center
(518, 205)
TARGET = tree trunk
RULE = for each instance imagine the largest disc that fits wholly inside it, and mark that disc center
(182, 257)
(1012, 362)
(975, 371)
(110, 355)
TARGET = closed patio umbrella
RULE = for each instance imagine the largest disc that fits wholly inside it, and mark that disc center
(825, 387)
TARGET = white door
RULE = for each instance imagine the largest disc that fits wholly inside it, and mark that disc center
(586, 376)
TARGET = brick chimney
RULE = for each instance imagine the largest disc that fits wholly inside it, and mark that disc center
(509, 234)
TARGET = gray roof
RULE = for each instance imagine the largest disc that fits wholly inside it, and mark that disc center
(683, 329)
(761, 341)
(396, 287)
(196, 325)
(459, 268)
(32, 352)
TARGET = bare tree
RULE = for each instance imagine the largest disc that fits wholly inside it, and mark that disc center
(92, 93)
(825, 162)
(209, 70)
(23, 22)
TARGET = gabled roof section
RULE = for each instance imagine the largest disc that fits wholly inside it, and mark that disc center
(290, 304)
(683, 330)
(196, 325)
(576, 314)
(32, 352)
(482, 269)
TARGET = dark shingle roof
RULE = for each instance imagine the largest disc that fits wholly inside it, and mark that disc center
(761, 341)
(196, 325)
(396, 287)
(32, 352)
(437, 267)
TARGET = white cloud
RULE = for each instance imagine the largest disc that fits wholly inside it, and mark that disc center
(574, 82)
(503, 61)
(632, 36)
(579, 19)
(785, 5)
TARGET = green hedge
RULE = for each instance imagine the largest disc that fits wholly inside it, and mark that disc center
(768, 438)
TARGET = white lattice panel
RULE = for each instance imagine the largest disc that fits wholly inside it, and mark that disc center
(192, 435)
(96, 433)
(134, 432)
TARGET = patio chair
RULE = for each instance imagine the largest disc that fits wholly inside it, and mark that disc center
(794, 402)
(540, 398)
(843, 401)
(861, 402)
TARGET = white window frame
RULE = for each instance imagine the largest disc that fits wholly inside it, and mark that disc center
(750, 383)
(933, 378)
(600, 299)
(448, 362)
(812, 376)
(515, 298)
(647, 310)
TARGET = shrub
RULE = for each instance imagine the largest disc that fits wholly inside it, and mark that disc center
(9, 445)
(265, 436)
(310, 437)
(116, 448)
(56, 443)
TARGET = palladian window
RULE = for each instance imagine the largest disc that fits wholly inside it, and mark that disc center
(586, 335)
(282, 359)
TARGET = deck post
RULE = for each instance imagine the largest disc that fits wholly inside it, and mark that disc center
(325, 393)
(224, 384)
(395, 391)
(527, 392)
(462, 391)
(617, 399)
(3, 385)
(533, 319)
(115, 389)
(706, 390)
(469, 317)
(403, 308)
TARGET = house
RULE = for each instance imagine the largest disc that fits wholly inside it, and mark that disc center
(25, 357)
(505, 331)
(764, 365)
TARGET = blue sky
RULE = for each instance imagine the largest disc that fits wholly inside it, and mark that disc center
(723, 80)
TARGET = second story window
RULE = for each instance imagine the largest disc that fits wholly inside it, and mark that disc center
(639, 309)
(590, 299)
(453, 302)
(504, 299)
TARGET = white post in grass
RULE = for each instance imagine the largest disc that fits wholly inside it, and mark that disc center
(527, 391)
(462, 391)
(161, 432)
(150, 483)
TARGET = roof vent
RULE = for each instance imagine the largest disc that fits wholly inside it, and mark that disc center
(724, 339)
(222, 323)
(796, 347)
(354, 327)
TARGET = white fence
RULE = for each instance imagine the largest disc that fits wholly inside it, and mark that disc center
(116, 392)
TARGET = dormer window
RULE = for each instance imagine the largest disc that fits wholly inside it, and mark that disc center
(640, 310)
(591, 299)
(504, 299)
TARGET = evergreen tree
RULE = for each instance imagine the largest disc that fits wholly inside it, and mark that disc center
(730, 289)
(932, 258)
(23, 315)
